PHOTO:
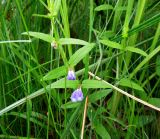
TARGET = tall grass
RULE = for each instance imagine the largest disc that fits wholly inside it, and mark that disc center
(113, 47)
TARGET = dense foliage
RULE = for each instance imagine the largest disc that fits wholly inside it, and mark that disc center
(80, 69)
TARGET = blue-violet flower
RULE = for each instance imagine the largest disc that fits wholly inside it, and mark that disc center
(77, 95)
(71, 75)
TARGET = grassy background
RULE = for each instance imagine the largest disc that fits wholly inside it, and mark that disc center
(117, 40)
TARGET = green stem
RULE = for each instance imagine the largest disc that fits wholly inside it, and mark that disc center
(117, 96)
(64, 14)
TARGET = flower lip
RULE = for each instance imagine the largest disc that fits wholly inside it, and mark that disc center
(71, 75)
(77, 95)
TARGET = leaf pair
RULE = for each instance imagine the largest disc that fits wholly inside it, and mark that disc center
(74, 59)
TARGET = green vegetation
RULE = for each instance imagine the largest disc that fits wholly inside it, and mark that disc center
(114, 48)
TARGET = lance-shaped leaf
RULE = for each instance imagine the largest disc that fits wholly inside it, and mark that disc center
(94, 84)
(136, 50)
(154, 101)
(103, 7)
(55, 73)
(131, 84)
(99, 95)
(63, 83)
(111, 44)
(70, 105)
(101, 130)
(42, 36)
(64, 41)
(80, 54)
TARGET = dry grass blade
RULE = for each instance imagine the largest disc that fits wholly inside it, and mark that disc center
(84, 117)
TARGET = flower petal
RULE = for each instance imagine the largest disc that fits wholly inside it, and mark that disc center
(71, 75)
(77, 95)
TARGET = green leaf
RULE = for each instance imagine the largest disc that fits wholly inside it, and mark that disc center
(111, 44)
(99, 95)
(94, 84)
(70, 105)
(142, 120)
(31, 119)
(80, 54)
(55, 73)
(64, 41)
(120, 8)
(49, 16)
(71, 121)
(129, 83)
(107, 34)
(154, 101)
(63, 83)
(42, 36)
(103, 7)
(101, 130)
(136, 50)
(158, 65)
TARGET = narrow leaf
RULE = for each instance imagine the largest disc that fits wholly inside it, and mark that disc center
(63, 83)
(64, 41)
(120, 8)
(108, 34)
(142, 120)
(94, 84)
(55, 73)
(129, 83)
(136, 50)
(111, 44)
(31, 119)
(155, 101)
(42, 36)
(70, 105)
(101, 130)
(80, 54)
(99, 95)
(103, 7)
(158, 65)
(49, 16)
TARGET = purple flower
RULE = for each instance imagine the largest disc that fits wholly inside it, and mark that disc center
(71, 75)
(77, 95)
